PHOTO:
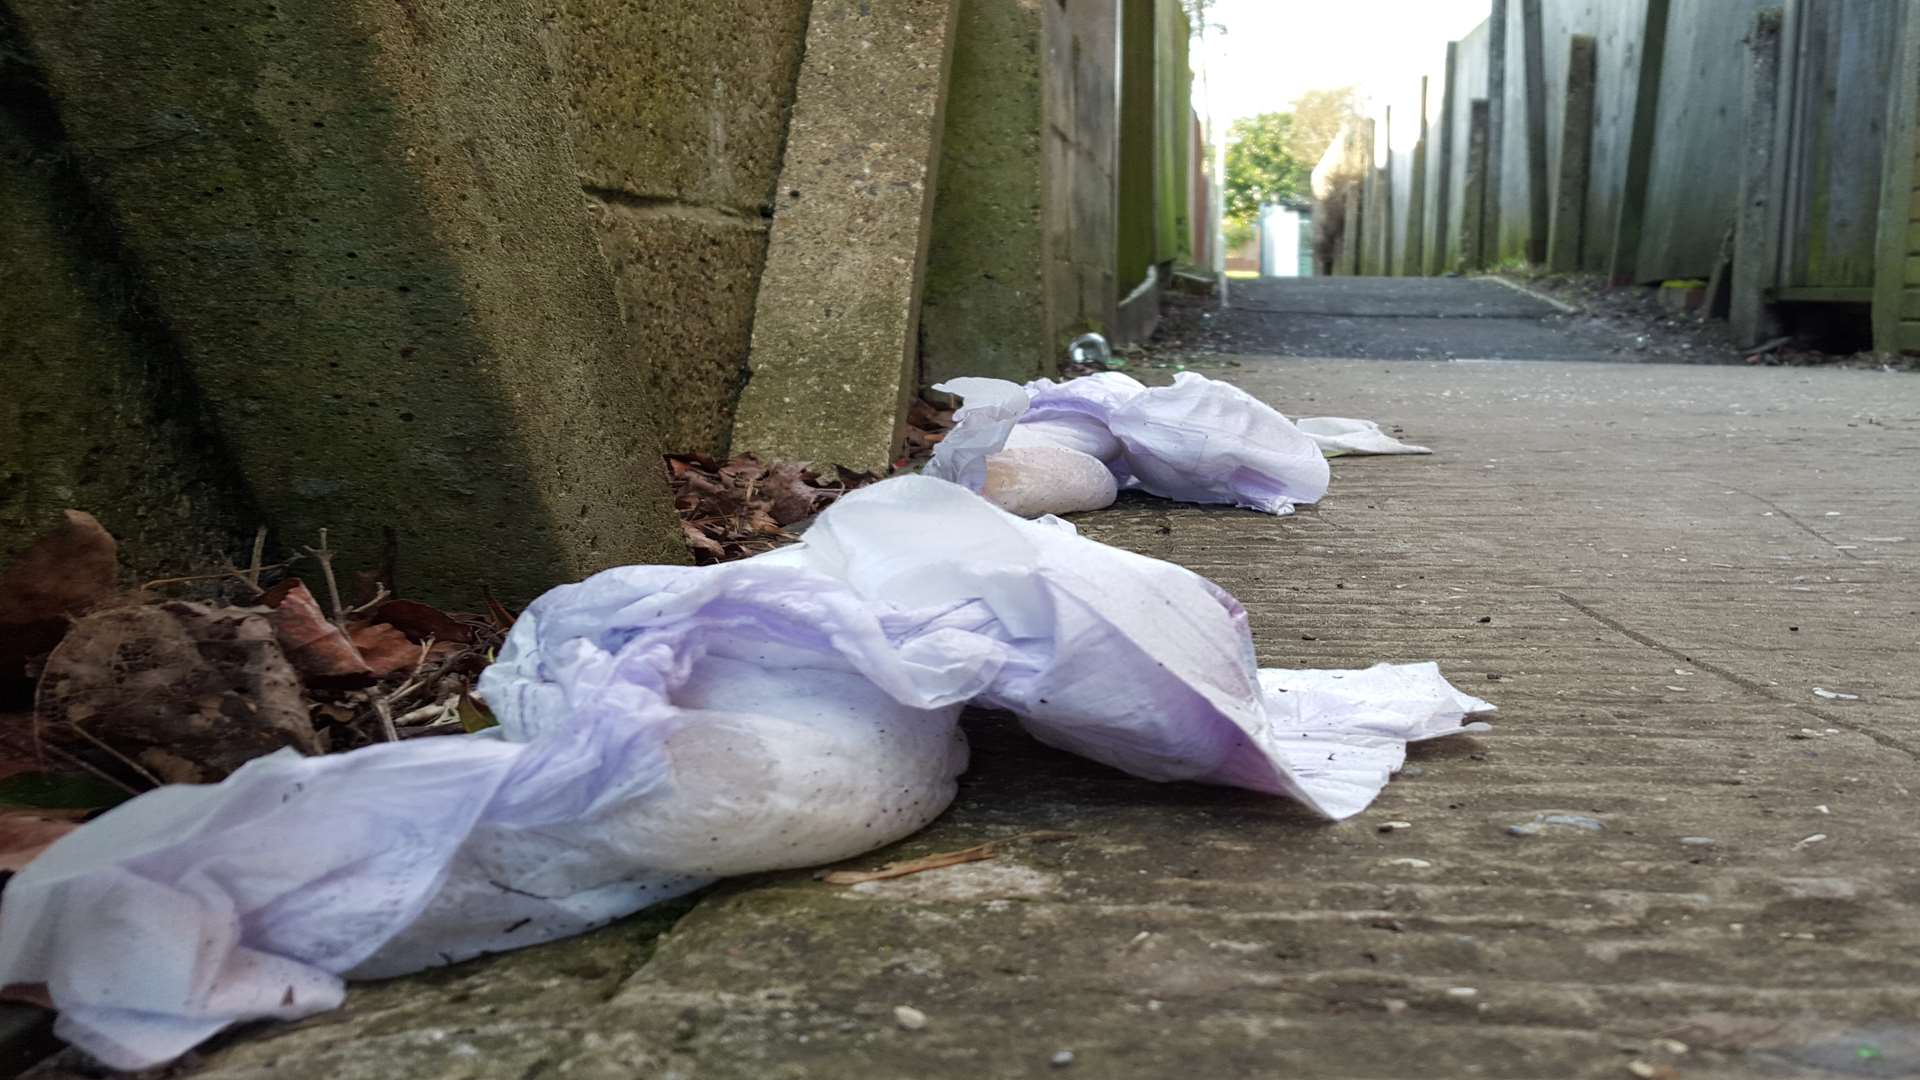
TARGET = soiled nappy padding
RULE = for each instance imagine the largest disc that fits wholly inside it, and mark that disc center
(1035, 480)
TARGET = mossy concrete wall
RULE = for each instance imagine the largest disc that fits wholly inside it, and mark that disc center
(97, 409)
(986, 309)
(679, 114)
(361, 224)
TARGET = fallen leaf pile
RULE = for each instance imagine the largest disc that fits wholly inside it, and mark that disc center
(744, 506)
(123, 691)
(732, 509)
(107, 692)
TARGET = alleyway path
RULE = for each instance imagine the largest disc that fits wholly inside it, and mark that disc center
(1649, 568)
(1405, 319)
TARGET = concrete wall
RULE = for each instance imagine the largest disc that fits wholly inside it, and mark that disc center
(98, 409)
(361, 227)
(679, 113)
(985, 310)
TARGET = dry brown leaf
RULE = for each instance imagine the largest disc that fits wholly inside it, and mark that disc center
(422, 621)
(68, 570)
(316, 647)
(27, 994)
(385, 649)
(497, 611)
(26, 833)
(176, 692)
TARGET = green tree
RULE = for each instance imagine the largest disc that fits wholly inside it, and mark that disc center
(1264, 165)
(1317, 116)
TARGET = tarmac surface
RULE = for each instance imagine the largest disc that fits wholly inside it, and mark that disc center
(1405, 319)
(1688, 849)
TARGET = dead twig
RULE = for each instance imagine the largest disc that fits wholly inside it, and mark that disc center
(259, 554)
(387, 727)
(98, 773)
(115, 755)
(324, 555)
(941, 861)
(247, 576)
(380, 596)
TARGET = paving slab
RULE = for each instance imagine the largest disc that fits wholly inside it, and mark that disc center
(1672, 853)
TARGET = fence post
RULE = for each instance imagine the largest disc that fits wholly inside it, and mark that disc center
(1489, 243)
(1412, 245)
(1535, 66)
(1473, 204)
(1443, 190)
(1568, 230)
(1756, 236)
(1363, 263)
(1622, 265)
(1382, 224)
(1349, 263)
(1896, 265)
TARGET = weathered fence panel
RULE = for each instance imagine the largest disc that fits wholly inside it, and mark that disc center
(1694, 186)
(1615, 26)
(1841, 55)
(1470, 82)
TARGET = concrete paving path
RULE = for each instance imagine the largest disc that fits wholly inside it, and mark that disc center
(1653, 570)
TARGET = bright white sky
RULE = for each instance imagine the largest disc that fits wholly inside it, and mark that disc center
(1274, 50)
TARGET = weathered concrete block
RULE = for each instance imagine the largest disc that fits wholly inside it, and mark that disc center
(96, 410)
(686, 278)
(679, 99)
(836, 322)
(985, 309)
(361, 223)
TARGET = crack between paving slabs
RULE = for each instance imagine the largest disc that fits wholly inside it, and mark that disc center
(1749, 685)
(1804, 527)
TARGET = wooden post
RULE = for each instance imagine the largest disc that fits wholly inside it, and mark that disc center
(1364, 263)
(1622, 266)
(1443, 191)
(1896, 274)
(1756, 237)
(1412, 262)
(1539, 207)
(1473, 212)
(1350, 234)
(1385, 185)
(1489, 244)
(1568, 229)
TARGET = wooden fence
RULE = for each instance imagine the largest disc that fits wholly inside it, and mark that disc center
(1766, 146)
